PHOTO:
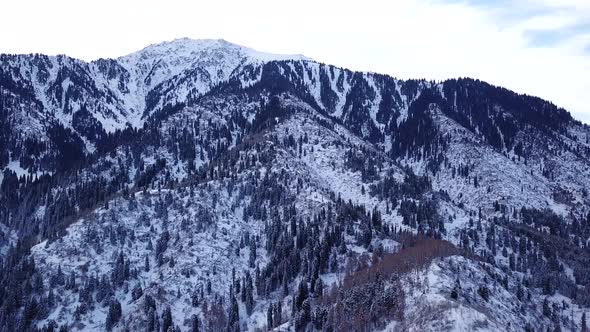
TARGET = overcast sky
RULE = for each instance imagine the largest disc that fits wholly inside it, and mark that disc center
(539, 47)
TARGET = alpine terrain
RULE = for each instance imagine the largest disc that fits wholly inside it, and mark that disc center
(198, 185)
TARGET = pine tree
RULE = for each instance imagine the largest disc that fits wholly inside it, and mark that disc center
(59, 278)
(113, 315)
(151, 319)
(455, 292)
(167, 319)
(71, 283)
(50, 298)
(233, 323)
(247, 292)
(319, 287)
(519, 292)
(302, 295)
(285, 285)
(195, 323)
(277, 316)
(546, 308)
(484, 292)
(269, 318)
(136, 293)
(252, 258)
(303, 316)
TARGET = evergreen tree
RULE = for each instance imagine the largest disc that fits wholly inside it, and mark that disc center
(247, 292)
(278, 313)
(167, 319)
(136, 293)
(233, 323)
(195, 323)
(302, 295)
(269, 318)
(113, 315)
(546, 308)
(252, 257)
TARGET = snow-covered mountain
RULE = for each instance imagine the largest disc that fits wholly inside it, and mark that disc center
(202, 185)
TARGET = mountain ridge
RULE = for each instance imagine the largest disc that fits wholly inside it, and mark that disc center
(284, 195)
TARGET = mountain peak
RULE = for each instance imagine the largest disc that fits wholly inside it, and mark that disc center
(187, 47)
(215, 58)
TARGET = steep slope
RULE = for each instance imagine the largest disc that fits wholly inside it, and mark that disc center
(68, 100)
(223, 213)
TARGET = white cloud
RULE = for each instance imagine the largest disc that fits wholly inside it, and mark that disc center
(407, 39)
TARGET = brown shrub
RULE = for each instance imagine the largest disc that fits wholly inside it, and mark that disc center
(416, 253)
(372, 295)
